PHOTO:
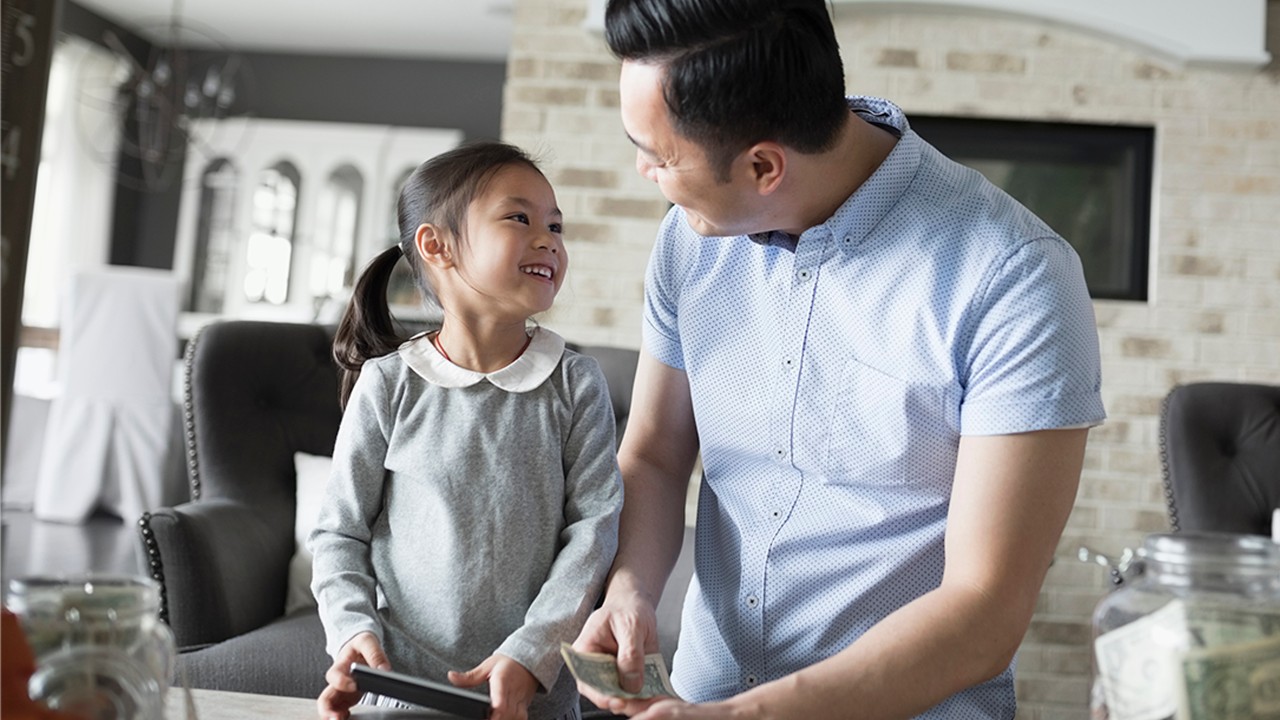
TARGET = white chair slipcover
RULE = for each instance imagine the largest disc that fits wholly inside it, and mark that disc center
(109, 437)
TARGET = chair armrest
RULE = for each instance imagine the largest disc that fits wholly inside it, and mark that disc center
(222, 566)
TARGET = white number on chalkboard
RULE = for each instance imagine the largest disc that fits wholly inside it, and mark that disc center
(26, 50)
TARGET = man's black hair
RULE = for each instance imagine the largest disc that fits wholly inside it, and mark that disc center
(738, 72)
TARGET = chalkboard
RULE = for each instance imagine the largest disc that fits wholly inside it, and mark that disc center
(29, 30)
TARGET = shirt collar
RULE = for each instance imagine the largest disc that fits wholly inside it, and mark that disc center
(867, 206)
(525, 373)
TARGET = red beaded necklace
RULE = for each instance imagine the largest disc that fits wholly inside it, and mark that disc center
(435, 340)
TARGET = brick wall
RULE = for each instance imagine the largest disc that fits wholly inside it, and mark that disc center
(1214, 310)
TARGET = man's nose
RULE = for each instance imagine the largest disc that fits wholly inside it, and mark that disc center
(645, 168)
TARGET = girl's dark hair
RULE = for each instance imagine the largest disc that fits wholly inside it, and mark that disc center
(738, 72)
(437, 192)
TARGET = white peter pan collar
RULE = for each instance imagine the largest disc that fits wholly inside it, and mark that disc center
(525, 373)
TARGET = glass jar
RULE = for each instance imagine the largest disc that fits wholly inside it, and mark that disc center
(101, 650)
(1195, 635)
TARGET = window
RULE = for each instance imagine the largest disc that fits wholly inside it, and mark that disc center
(333, 255)
(214, 236)
(1090, 183)
(270, 247)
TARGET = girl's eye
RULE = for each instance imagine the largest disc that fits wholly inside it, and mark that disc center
(520, 217)
(556, 228)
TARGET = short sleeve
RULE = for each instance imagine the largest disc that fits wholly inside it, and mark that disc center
(661, 331)
(1032, 361)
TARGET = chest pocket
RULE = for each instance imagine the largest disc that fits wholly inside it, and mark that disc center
(884, 431)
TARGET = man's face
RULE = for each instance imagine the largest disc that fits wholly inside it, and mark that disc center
(680, 167)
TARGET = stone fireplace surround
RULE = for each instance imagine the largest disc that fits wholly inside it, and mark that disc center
(1213, 309)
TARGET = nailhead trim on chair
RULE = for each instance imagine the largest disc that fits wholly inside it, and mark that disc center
(189, 415)
(1164, 463)
(154, 564)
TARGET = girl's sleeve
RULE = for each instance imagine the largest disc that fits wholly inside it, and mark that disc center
(342, 571)
(593, 501)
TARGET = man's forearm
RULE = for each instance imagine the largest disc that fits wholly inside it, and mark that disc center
(651, 529)
(1010, 500)
(945, 641)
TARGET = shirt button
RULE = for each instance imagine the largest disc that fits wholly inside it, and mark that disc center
(776, 513)
(803, 274)
(752, 601)
(751, 679)
(780, 453)
(790, 363)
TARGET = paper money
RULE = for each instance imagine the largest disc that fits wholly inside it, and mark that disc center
(1143, 666)
(600, 672)
(1233, 682)
(1138, 666)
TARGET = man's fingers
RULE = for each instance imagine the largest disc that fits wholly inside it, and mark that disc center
(630, 669)
(630, 654)
(597, 635)
(598, 699)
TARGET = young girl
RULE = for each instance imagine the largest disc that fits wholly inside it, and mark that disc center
(473, 507)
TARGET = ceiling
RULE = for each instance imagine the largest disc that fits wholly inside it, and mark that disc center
(436, 29)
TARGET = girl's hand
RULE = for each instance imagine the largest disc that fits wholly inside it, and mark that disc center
(511, 686)
(336, 700)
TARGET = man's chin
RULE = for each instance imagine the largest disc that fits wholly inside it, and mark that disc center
(701, 226)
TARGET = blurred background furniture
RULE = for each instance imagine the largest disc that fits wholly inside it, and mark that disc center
(258, 393)
(1220, 452)
(110, 436)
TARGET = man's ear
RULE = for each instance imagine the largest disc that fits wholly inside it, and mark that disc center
(768, 165)
(432, 248)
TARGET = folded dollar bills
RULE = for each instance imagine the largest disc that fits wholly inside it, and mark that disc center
(1237, 682)
(600, 671)
(1193, 661)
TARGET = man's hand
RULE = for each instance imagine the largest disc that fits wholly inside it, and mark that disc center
(626, 627)
(511, 685)
(336, 700)
(677, 709)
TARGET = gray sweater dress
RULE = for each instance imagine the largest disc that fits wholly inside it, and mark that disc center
(469, 514)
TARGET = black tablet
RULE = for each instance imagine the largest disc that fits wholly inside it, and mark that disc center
(438, 696)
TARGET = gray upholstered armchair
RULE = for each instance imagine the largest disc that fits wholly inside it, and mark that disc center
(1220, 451)
(256, 393)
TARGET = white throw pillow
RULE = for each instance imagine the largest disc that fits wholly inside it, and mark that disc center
(313, 476)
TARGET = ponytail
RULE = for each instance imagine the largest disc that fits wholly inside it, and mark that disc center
(366, 329)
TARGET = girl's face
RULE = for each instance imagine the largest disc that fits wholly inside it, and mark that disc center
(514, 257)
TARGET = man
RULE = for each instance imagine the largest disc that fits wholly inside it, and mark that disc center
(889, 367)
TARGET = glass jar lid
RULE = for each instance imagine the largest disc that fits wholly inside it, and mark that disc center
(1243, 551)
(88, 596)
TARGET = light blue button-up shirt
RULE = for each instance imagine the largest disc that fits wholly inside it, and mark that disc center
(832, 377)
